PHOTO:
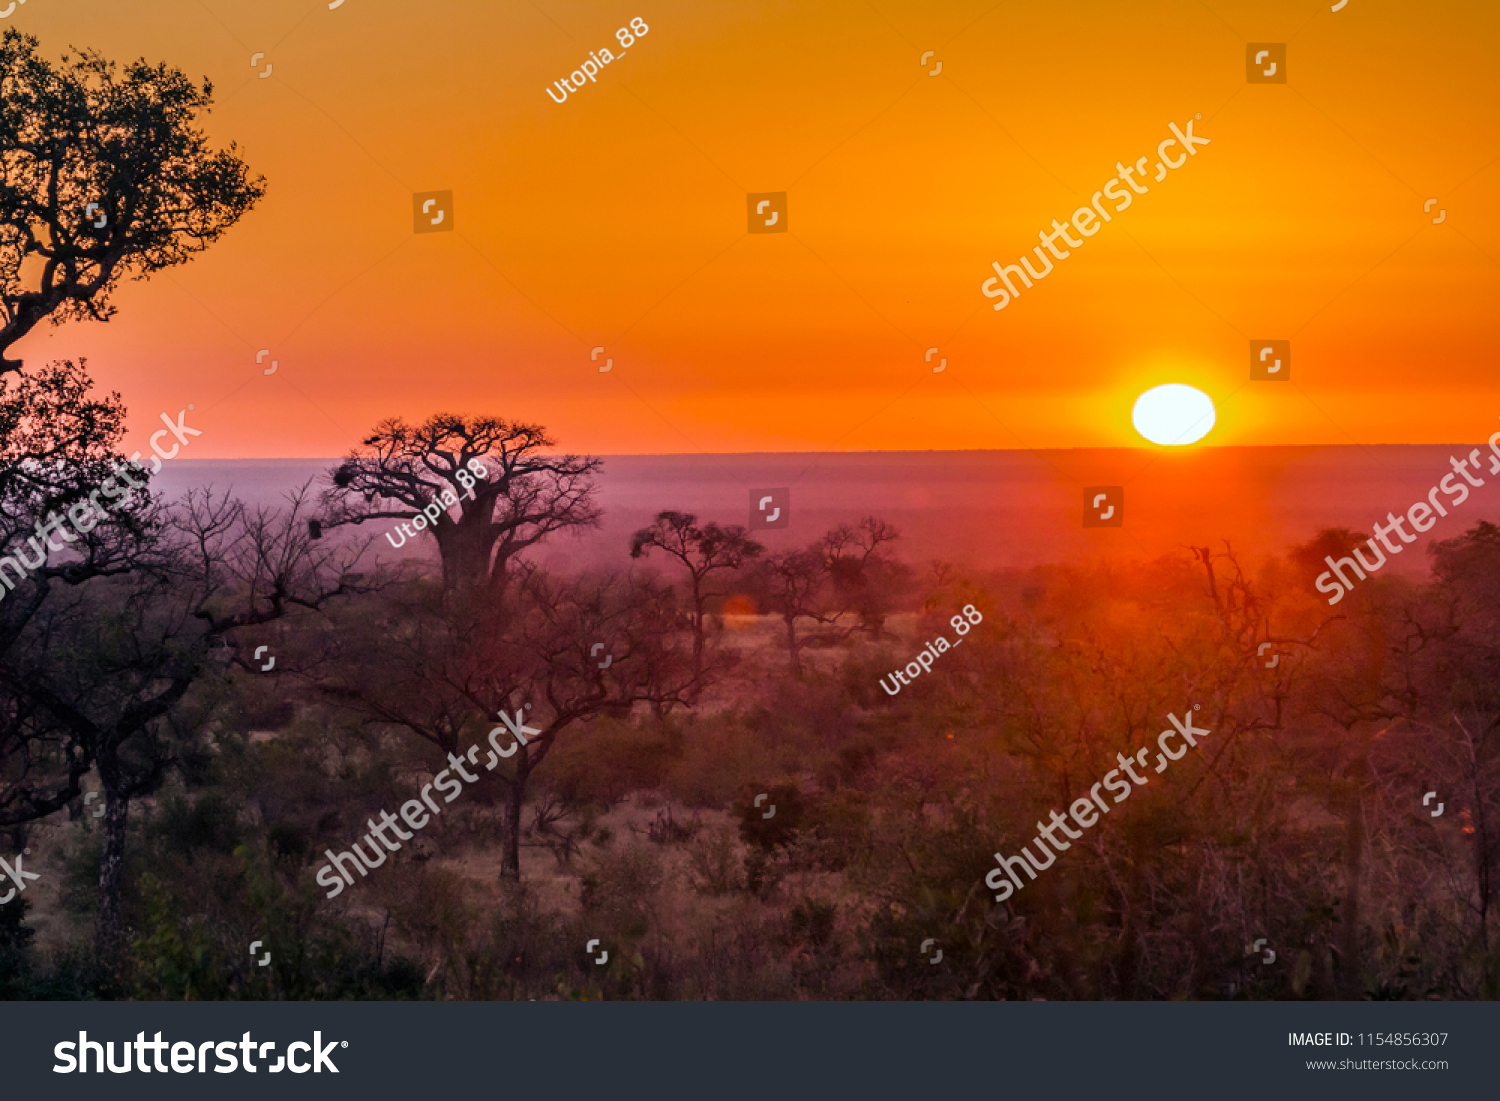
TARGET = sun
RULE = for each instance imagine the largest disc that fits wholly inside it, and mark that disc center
(1173, 415)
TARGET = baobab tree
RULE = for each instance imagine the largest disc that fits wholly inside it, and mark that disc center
(404, 472)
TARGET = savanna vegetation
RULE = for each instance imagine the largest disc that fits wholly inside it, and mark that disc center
(719, 791)
(632, 817)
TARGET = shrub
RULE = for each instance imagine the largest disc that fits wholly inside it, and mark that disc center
(715, 863)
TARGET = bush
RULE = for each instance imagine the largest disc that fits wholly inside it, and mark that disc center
(622, 890)
(185, 825)
(811, 922)
(715, 862)
(15, 949)
(667, 830)
(787, 809)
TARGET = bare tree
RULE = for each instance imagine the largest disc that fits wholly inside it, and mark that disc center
(457, 671)
(1447, 669)
(846, 571)
(121, 673)
(702, 550)
(241, 567)
(797, 582)
(864, 577)
(404, 473)
(56, 453)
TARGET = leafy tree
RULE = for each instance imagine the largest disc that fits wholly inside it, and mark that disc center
(79, 133)
(71, 135)
(56, 450)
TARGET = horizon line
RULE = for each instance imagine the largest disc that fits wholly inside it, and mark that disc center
(1152, 449)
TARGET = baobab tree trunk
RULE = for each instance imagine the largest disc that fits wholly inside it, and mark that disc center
(109, 931)
(464, 552)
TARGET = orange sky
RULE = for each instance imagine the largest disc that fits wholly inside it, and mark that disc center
(618, 218)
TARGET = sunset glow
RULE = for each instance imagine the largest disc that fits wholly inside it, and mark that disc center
(618, 220)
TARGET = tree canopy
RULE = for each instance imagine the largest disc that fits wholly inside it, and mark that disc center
(527, 493)
(103, 175)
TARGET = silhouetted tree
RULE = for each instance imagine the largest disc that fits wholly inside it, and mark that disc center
(702, 550)
(865, 579)
(103, 175)
(56, 451)
(111, 667)
(797, 584)
(526, 494)
(452, 673)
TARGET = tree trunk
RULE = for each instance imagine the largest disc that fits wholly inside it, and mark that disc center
(1351, 986)
(1128, 958)
(461, 547)
(698, 601)
(109, 932)
(1482, 860)
(515, 795)
(792, 647)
